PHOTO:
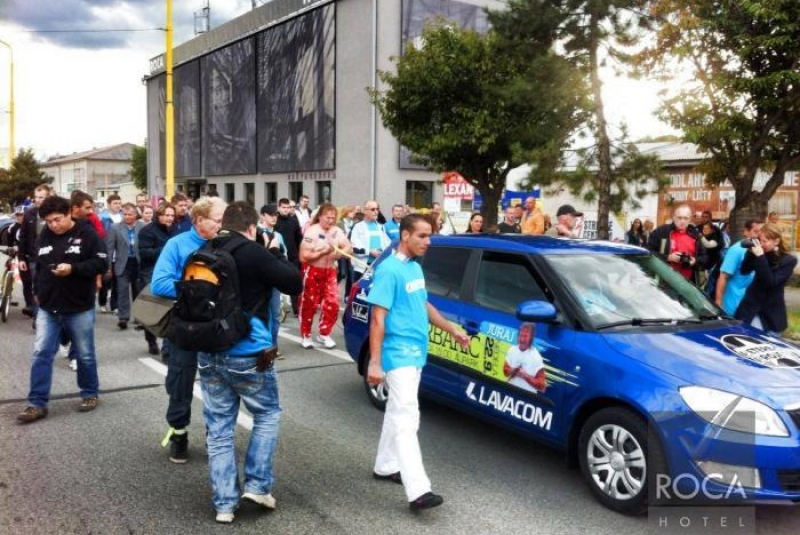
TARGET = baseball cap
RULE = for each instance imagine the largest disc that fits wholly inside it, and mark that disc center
(269, 209)
(568, 209)
(19, 210)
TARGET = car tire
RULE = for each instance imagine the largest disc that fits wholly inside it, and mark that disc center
(378, 395)
(617, 461)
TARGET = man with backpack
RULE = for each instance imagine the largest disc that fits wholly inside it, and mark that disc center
(182, 363)
(244, 371)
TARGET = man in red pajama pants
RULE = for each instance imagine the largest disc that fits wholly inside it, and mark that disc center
(323, 243)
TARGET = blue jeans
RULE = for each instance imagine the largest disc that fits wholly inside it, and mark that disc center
(275, 315)
(225, 381)
(79, 327)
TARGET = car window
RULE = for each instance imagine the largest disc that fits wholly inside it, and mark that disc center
(629, 288)
(444, 269)
(504, 281)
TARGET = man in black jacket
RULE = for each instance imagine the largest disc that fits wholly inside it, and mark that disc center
(289, 227)
(32, 225)
(244, 373)
(68, 259)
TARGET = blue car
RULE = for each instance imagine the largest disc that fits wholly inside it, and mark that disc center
(603, 351)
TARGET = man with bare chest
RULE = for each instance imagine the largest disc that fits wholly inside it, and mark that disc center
(323, 244)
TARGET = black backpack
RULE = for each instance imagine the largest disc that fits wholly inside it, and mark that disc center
(208, 314)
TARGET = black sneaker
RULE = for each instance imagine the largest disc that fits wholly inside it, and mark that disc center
(122, 324)
(394, 478)
(426, 501)
(27, 311)
(179, 448)
(153, 349)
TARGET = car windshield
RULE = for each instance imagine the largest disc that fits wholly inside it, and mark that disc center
(617, 290)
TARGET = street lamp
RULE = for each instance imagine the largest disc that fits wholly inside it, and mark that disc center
(10, 104)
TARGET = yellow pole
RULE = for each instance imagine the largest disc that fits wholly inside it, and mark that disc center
(169, 134)
(11, 148)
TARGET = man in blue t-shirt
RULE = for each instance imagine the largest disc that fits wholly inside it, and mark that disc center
(398, 344)
(732, 284)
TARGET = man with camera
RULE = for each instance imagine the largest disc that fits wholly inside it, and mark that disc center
(679, 245)
(732, 284)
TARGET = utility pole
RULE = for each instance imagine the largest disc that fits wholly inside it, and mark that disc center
(11, 148)
(169, 150)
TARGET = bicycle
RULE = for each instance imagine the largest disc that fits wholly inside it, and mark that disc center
(7, 284)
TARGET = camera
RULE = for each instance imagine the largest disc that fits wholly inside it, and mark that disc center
(747, 243)
(685, 260)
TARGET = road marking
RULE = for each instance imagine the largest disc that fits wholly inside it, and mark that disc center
(244, 420)
(338, 353)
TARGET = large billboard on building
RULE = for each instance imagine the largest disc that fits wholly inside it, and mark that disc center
(187, 120)
(296, 93)
(417, 13)
(227, 91)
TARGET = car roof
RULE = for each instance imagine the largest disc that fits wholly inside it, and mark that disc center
(524, 243)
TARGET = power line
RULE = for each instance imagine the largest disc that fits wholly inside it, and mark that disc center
(95, 31)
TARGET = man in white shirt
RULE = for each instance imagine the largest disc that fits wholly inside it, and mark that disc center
(302, 211)
(368, 238)
(524, 366)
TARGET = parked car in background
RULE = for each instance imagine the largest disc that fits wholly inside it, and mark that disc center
(603, 351)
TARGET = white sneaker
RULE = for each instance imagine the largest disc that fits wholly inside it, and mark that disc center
(307, 343)
(73, 365)
(63, 351)
(327, 341)
(105, 309)
(224, 518)
(265, 500)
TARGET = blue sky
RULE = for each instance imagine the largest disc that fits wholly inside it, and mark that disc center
(77, 90)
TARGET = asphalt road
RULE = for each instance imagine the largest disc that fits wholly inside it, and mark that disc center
(104, 472)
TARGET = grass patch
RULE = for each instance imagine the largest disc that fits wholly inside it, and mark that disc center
(793, 331)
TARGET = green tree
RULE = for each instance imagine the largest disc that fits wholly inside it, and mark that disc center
(739, 99)
(22, 178)
(467, 102)
(609, 170)
(139, 167)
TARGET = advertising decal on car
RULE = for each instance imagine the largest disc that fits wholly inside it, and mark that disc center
(507, 355)
(764, 350)
(517, 408)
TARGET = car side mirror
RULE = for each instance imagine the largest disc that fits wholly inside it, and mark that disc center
(536, 310)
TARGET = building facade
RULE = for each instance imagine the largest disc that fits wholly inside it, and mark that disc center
(99, 172)
(274, 103)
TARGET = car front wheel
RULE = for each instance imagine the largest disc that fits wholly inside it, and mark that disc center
(617, 461)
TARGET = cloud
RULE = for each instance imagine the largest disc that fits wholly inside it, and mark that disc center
(111, 24)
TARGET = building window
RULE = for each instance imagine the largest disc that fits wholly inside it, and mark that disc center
(295, 190)
(230, 192)
(270, 193)
(323, 192)
(419, 194)
(250, 193)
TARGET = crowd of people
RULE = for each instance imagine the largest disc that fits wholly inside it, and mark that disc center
(75, 262)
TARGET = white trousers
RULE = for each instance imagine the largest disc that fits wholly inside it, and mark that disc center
(398, 448)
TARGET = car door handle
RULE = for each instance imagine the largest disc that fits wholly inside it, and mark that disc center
(471, 328)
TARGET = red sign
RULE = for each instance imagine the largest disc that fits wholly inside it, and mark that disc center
(456, 187)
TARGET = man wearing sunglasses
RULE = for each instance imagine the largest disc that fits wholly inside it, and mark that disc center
(368, 238)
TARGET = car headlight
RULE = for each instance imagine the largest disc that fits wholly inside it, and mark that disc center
(733, 412)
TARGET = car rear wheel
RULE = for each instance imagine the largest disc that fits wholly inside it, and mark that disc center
(617, 461)
(378, 395)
